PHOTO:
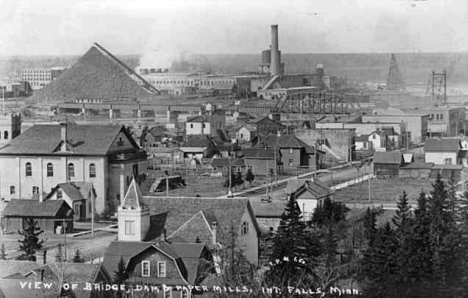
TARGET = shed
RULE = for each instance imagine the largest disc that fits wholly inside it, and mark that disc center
(447, 171)
(387, 164)
(50, 215)
(416, 170)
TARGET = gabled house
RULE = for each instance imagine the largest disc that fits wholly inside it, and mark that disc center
(79, 196)
(198, 147)
(246, 133)
(265, 126)
(150, 256)
(387, 164)
(309, 194)
(295, 153)
(261, 160)
(442, 151)
(363, 144)
(51, 215)
(222, 165)
(384, 140)
(207, 124)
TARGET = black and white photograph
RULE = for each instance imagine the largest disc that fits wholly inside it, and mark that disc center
(233, 148)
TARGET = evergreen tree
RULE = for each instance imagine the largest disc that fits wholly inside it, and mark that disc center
(294, 250)
(120, 276)
(77, 258)
(249, 176)
(370, 226)
(30, 242)
(378, 266)
(329, 212)
(239, 179)
(3, 254)
(58, 254)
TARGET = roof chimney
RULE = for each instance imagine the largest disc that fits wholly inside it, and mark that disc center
(214, 225)
(165, 235)
(63, 135)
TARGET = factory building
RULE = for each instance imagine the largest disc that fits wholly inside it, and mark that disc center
(39, 77)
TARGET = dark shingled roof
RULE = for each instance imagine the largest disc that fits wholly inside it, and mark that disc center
(83, 140)
(391, 158)
(272, 209)
(462, 154)
(198, 141)
(195, 228)
(283, 141)
(76, 191)
(441, 145)
(34, 208)
(317, 188)
(260, 153)
(181, 210)
(10, 267)
(97, 75)
(418, 166)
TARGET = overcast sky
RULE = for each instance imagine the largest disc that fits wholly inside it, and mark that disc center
(175, 27)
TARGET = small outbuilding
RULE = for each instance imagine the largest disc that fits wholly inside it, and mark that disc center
(51, 215)
(387, 164)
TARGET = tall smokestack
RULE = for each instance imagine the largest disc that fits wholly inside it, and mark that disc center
(275, 56)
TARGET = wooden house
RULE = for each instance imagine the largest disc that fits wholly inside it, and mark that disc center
(387, 164)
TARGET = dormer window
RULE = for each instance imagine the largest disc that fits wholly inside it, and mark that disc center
(59, 194)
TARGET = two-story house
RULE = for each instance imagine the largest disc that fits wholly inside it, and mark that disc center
(443, 151)
(207, 124)
(44, 156)
(264, 126)
(295, 153)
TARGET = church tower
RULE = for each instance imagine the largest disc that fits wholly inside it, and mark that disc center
(133, 216)
(10, 127)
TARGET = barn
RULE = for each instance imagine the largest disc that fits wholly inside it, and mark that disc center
(387, 164)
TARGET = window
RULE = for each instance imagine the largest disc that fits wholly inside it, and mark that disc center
(28, 169)
(35, 190)
(373, 136)
(71, 170)
(191, 125)
(245, 228)
(184, 293)
(448, 161)
(145, 268)
(204, 125)
(5, 135)
(59, 194)
(120, 142)
(129, 227)
(92, 171)
(161, 269)
(50, 170)
(441, 116)
(12, 190)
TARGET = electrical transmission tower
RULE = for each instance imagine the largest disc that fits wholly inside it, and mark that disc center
(437, 86)
(395, 79)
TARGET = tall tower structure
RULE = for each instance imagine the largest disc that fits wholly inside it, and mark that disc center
(275, 55)
(10, 127)
(395, 79)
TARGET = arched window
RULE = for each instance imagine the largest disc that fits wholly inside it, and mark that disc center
(5, 135)
(245, 228)
(28, 169)
(71, 170)
(50, 170)
(92, 171)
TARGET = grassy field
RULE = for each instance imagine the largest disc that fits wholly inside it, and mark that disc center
(384, 190)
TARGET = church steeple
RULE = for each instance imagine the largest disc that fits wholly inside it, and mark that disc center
(133, 215)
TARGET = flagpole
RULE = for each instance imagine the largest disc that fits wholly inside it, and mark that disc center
(3, 92)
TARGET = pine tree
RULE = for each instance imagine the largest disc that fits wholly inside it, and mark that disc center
(120, 276)
(370, 226)
(294, 250)
(239, 179)
(249, 176)
(30, 242)
(3, 254)
(329, 212)
(77, 258)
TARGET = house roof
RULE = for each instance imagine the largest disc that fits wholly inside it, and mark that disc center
(260, 153)
(97, 75)
(225, 162)
(82, 140)
(249, 127)
(196, 228)
(178, 211)
(361, 138)
(388, 158)
(284, 141)
(199, 118)
(442, 145)
(10, 267)
(317, 188)
(266, 119)
(76, 191)
(273, 209)
(34, 208)
(418, 166)
(198, 141)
